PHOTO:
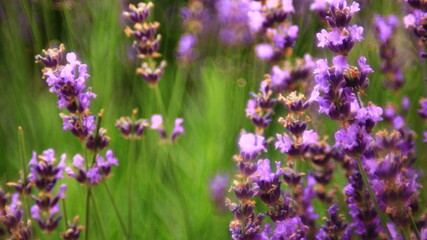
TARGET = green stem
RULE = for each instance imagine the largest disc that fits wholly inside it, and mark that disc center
(64, 209)
(406, 234)
(381, 215)
(131, 172)
(21, 141)
(89, 190)
(22, 148)
(98, 219)
(98, 126)
(160, 99)
(414, 226)
(116, 209)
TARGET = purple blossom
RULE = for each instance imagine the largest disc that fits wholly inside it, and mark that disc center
(267, 181)
(264, 51)
(218, 189)
(354, 140)
(251, 145)
(292, 228)
(340, 41)
(283, 143)
(69, 85)
(100, 170)
(80, 128)
(43, 172)
(186, 48)
(233, 20)
(369, 116)
(423, 111)
(385, 26)
(178, 129)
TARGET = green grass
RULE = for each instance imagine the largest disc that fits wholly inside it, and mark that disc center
(209, 95)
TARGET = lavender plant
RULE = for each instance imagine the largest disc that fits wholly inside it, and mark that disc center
(415, 22)
(68, 82)
(146, 42)
(384, 31)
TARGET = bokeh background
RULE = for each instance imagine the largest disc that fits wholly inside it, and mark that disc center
(209, 94)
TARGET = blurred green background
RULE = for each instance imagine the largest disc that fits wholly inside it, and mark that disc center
(210, 95)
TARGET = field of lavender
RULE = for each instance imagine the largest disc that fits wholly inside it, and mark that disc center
(213, 119)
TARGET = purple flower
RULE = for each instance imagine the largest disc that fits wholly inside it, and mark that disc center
(423, 111)
(416, 22)
(340, 14)
(186, 48)
(43, 171)
(151, 74)
(218, 189)
(69, 85)
(267, 181)
(292, 228)
(80, 128)
(340, 41)
(251, 145)
(283, 143)
(385, 26)
(354, 140)
(139, 13)
(264, 51)
(178, 129)
(233, 21)
(369, 116)
(96, 173)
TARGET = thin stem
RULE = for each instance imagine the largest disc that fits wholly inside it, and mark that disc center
(116, 209)
(21, 141)
(22, 148)
(160, 99)
(382, 217)
(98, 126)
(131, 172)
(64, 210)
(98, 219)
(414, 226)
(406, 234)
(89, 190)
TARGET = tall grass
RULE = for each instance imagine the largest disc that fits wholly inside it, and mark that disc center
(210, 95)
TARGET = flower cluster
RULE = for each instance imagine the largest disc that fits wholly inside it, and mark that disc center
(388, 174)
(416, 21)
(12, 218)
(73, 231)
(146, 41)
(69, 83)
(96, 172)
(384, 31)
(423, 113)
(227, 19)
(260, 107)
(134, 129)
(233, 20)
(268, 18)
(45, 173)
(342, 37)
(131, 128)
(291, 77)
(218, 190)
(335, 227)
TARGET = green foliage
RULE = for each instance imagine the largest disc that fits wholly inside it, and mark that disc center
(210, 95)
